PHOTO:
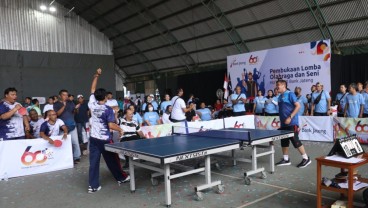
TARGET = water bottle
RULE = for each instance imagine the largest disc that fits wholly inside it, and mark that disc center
(6, 178)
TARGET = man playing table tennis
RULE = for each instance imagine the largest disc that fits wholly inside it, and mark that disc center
(288, 112)
(102, 120)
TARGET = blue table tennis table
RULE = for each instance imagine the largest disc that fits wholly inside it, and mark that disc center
(167, 150)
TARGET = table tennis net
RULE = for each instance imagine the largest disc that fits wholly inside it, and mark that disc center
(213, 133)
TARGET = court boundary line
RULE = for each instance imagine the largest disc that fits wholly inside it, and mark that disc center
(262, 198)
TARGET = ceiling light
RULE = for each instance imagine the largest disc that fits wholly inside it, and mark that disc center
(52, 9)
(43, 7)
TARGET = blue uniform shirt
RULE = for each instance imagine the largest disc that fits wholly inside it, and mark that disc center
(354, 101)
(365, 97)
(341, 97)
(137, 118)
(271, 107)
(239, 106)
(321, 107)
(260, 103)
(206, 114)
(164, 104)
(287, 102)
(154, 104)
(302, 100)
(152, 117)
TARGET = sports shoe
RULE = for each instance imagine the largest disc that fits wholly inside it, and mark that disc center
(283, 162)
(304, 163)
(127, 179)
(93, 190)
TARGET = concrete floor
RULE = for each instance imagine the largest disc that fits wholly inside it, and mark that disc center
(287, 187)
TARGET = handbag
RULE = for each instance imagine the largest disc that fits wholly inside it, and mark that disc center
(339, 108)
(318, 98)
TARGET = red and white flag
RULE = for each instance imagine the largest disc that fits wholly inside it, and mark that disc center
(226, 91)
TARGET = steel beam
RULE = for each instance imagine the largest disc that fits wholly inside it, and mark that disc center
(226, 25)
(168, 36)
(321, 22)
(219, 31)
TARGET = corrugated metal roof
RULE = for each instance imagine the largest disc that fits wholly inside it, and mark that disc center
(167, 33)
(25, 27)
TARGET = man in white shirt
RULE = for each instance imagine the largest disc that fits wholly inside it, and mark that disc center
(35, 123)
(178, 107)
(111, 101)
(49, 105)
(52, 127)
(115, 106)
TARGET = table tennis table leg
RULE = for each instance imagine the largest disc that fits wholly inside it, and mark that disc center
(233, 157)
(272, 157)
(167, 185)
(132, 176)
(254, 158)
(207, 170)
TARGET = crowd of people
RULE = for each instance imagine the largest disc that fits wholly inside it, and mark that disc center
(104, 116)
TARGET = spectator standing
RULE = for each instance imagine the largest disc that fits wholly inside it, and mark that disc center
(13, 117)
(65, 110)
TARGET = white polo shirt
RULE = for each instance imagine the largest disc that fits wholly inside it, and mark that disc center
(177, 110)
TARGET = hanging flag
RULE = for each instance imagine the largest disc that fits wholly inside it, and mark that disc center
(229, 86)
(226, 93)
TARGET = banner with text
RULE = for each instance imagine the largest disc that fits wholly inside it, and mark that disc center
(32, 156)
(316, 128)
(300, 65)
(348, 126)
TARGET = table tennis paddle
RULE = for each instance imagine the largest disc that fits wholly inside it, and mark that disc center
(58, 143)
(22, 111)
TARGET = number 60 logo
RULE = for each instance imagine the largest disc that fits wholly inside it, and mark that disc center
(361, 128)
(30, 157)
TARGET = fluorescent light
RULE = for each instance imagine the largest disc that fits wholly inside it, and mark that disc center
(52, 9)
(43, 7)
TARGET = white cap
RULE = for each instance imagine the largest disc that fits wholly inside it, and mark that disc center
(79, 96)
(151, 95)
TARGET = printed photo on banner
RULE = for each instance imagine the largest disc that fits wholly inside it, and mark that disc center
(157, 130)
(267, 122)
(301, 65)
(348, 126)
